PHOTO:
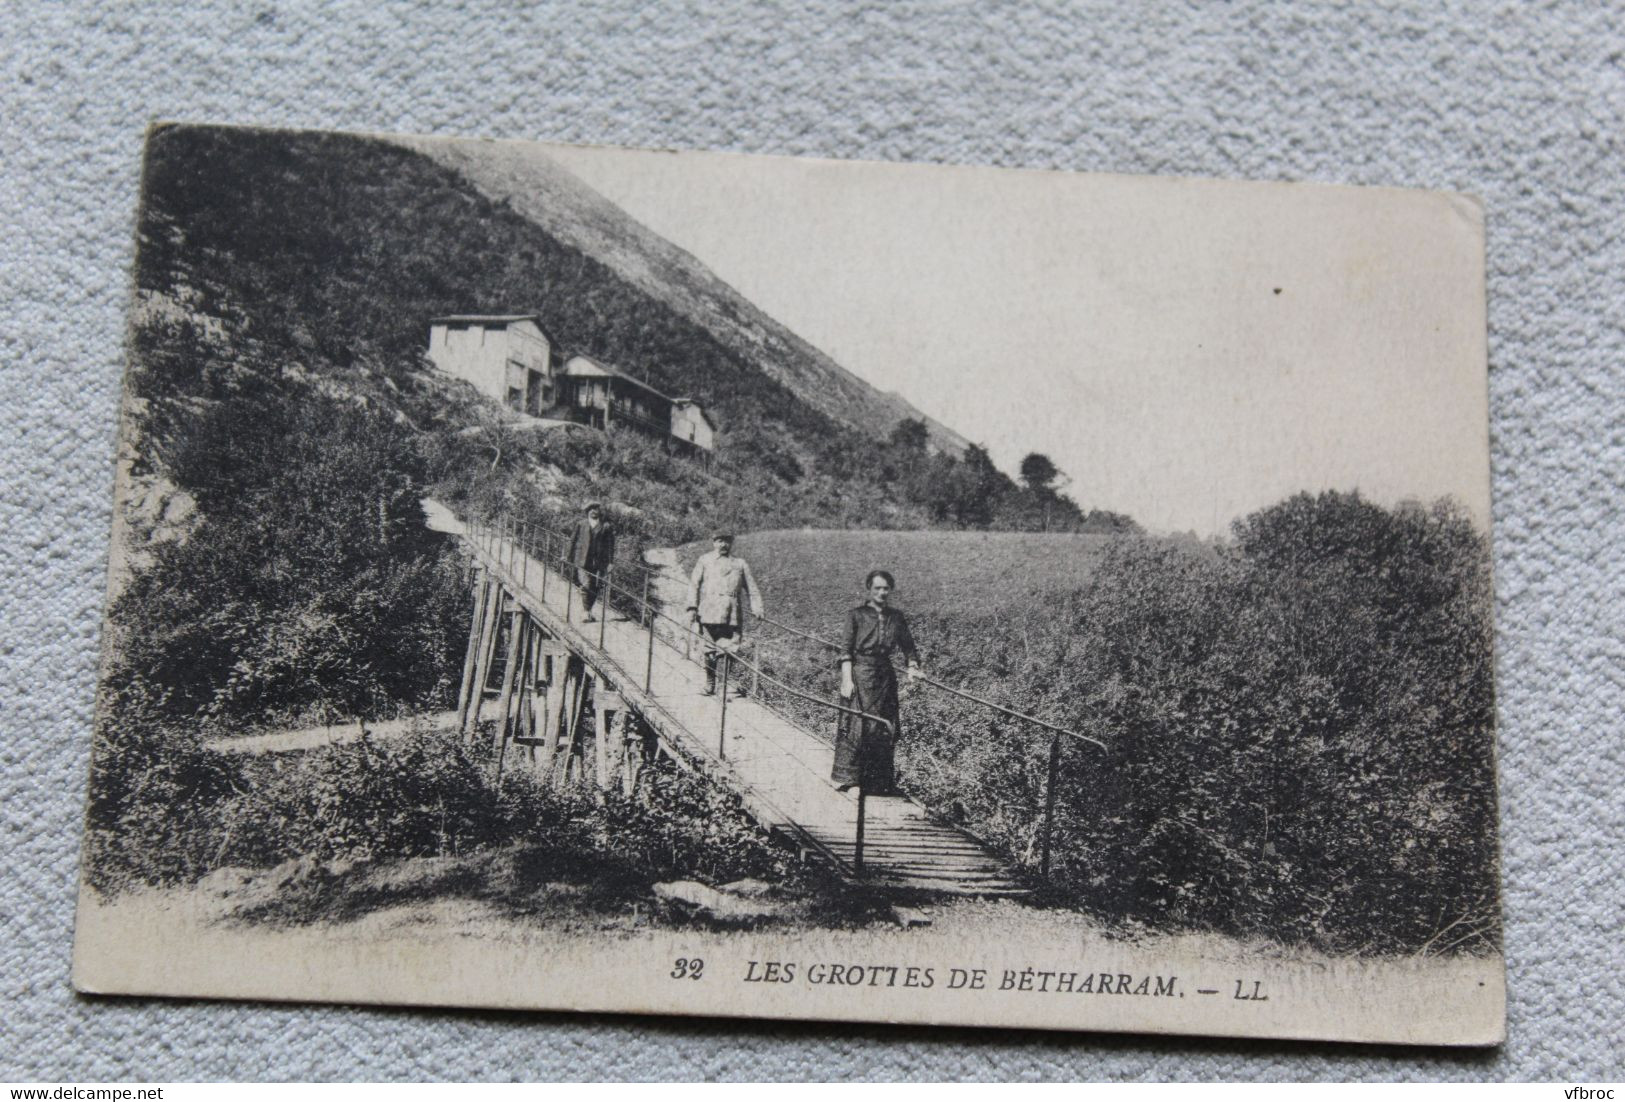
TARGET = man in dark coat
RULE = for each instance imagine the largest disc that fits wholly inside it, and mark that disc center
(865, 750)
(592, 551)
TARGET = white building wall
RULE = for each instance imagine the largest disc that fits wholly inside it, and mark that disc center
(494, 357)
(473, 352)
(689, 425)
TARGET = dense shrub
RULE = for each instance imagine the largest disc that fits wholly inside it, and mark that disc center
(155, 795)
(307, 581)
(167, 811)
(425, 795)
(681, 825)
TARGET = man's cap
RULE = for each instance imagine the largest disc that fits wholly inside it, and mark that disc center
(719, 534)
(591, 505)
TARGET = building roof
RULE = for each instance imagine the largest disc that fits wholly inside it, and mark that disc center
(484, 319)
(615, 372)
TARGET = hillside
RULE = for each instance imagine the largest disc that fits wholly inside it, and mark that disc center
(547, 194)
(321, 257)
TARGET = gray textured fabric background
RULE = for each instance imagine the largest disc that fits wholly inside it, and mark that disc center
(1523, 107)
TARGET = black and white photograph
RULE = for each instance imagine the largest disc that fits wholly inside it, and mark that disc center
(578, 578)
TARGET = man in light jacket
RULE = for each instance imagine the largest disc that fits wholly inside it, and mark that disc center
(716, 598)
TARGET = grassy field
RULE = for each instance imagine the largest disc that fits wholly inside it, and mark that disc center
(810, 577)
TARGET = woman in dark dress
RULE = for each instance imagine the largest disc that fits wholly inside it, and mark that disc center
(865, 749)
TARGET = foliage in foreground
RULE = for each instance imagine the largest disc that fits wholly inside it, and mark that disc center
(169, 811)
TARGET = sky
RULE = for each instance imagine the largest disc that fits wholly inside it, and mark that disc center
(1186, 351)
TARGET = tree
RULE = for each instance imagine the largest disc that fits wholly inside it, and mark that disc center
(977, 487)
(911, 433)
(1039, 473)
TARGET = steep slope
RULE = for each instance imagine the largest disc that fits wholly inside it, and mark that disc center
(543, 191)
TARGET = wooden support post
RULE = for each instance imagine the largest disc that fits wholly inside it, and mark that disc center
(465, 688)
(572, 731)
(547, 566)
(510, 670)
(857, 842)
(1049, 802)
(631, 753)
(601, 709)
(649, 655)
(482, 668)
(722, 719)
(547, 726)
(536, 672)
(521, 686)
(524, 709)
(605, 581)
(522, 680)
(569, 672)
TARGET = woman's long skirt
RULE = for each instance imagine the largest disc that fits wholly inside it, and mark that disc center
(865, 751)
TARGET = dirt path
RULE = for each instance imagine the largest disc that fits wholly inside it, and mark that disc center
(989, 963)
(308, 738)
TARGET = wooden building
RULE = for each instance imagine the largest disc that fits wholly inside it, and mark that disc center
(512, 359)
(508, 357)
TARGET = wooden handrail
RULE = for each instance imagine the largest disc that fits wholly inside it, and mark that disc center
(961, 693)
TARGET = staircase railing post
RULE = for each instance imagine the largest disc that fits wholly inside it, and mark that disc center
(648, 614)
(547, 547)
(1049, 802)
(722, 723)
(857, 844)
(605, 592)
(524, 557)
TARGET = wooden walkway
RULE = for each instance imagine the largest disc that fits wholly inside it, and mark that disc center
(779, 769)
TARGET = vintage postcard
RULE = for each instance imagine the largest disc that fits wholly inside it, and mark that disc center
(689, 583)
